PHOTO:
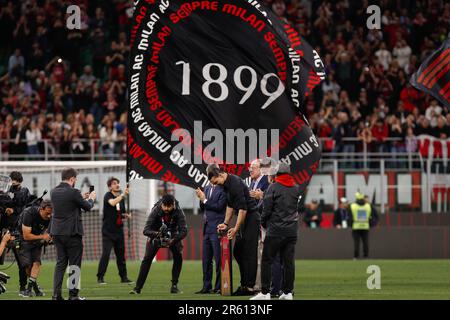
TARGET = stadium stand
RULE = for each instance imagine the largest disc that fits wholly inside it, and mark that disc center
(63, 92)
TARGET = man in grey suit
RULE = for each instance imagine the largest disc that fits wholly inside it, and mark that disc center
(66, 228)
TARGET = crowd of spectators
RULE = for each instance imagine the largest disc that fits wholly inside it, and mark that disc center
(367, 98)
(69, 86)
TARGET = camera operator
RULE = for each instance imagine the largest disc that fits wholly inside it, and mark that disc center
(20, 198)
(112, 230)
(34, 221)
(165, 227)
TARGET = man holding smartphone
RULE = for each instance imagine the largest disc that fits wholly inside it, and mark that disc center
(66, 228)
(112, 230)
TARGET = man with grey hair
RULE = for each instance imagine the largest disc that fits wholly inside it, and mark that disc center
(269, 168)
(259, 182)
(280, 219)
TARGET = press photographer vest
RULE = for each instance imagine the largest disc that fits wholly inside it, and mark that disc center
(361, 216)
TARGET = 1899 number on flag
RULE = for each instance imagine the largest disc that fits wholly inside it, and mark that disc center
(248, 89)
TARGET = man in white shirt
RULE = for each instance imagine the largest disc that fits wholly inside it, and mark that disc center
(384, 56)
(432, 112)
(402, 52)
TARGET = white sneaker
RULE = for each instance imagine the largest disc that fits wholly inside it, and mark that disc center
(261, 296)
(286, 296)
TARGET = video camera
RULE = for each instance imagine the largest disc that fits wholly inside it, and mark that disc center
(3, 280)
(163, 237)
(13, 244)
(44, 244)
(34, 201)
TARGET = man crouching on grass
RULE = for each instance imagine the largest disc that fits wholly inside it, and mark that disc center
(280, 219)
(165, 228)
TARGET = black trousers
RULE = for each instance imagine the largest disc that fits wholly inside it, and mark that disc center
(211, 251)
(360, 235)
(22, 270)
(150, 252)
(285, 246)
(118, 243)
(69, 250)
(246, 249)
(277, 275)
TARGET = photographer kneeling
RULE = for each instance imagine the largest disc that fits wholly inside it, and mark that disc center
(165, 227)
(34, 221)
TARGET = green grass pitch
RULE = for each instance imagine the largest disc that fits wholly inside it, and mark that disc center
(325, 279)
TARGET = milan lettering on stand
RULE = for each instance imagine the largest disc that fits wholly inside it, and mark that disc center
(433, 149)
(219, 65)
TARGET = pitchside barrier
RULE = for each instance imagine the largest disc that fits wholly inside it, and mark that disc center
(398, 236)
(414, 192)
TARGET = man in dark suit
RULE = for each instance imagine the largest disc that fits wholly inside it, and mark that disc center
(341, 218)
(112, 230)
(259, 182)
(66, 228)
(213, 202)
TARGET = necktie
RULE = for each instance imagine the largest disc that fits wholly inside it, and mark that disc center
(210, 192)
(343, 214)
(252, 184)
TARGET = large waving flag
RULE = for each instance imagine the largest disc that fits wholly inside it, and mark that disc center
(433, 76)
(217, 81)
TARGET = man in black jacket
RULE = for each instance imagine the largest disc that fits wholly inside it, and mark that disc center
(280, 218)
(269, 168)
(246, 229)
(21, 196)
(66, 228)
(165, 227)
(112, 230)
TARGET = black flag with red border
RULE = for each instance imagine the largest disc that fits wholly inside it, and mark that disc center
(204, 72)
